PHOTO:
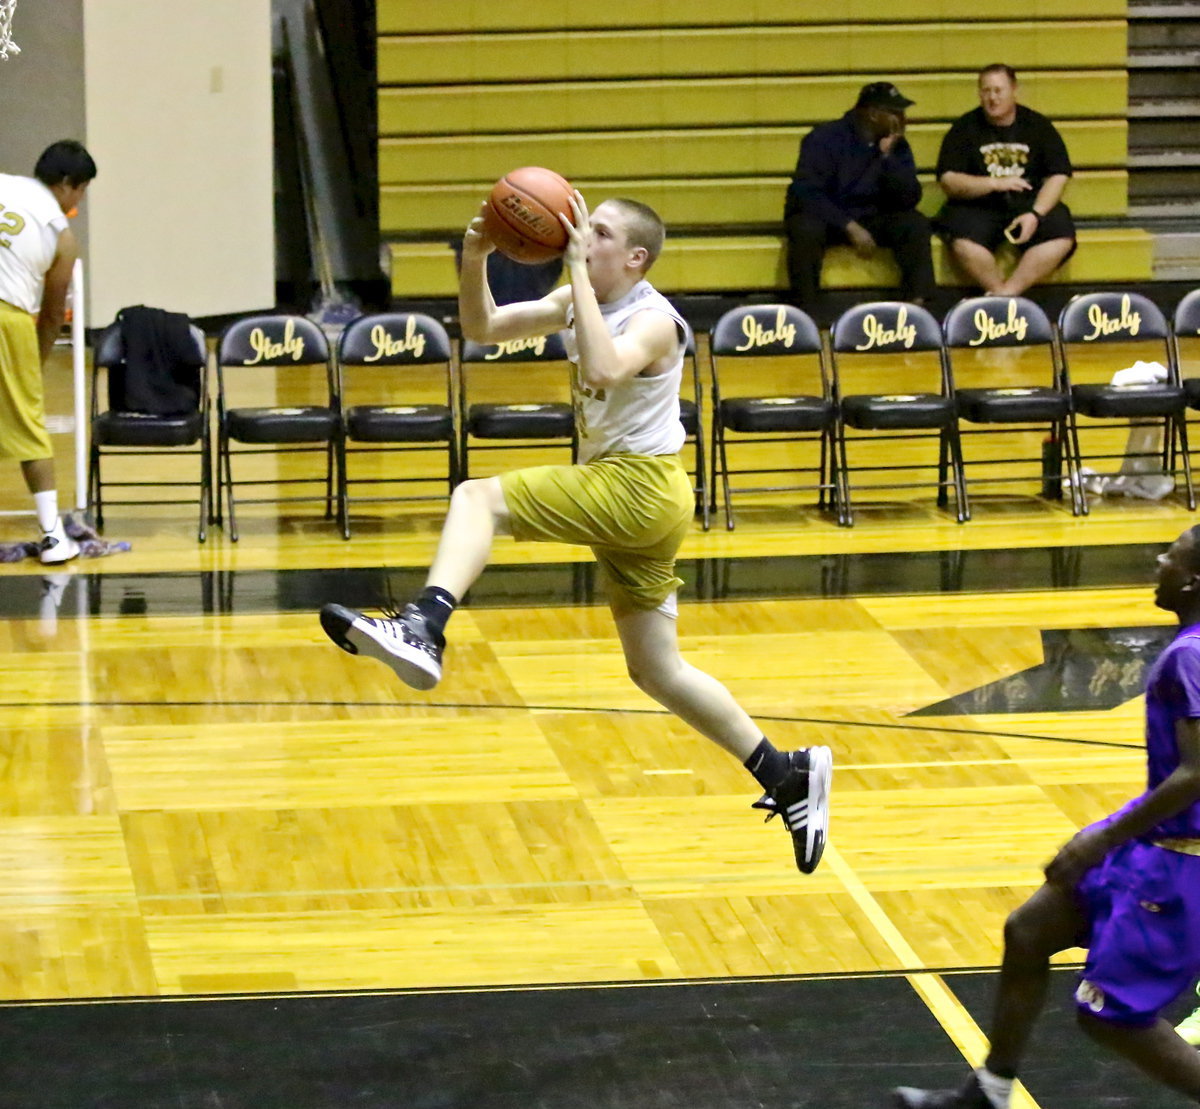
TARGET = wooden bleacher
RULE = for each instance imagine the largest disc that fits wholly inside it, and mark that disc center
(698, 109)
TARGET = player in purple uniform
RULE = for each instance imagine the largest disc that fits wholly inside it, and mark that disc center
(1127, 888)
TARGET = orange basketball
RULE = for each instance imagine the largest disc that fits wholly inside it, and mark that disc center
(521, 216)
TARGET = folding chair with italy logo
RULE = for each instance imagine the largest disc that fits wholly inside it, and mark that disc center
(1118, 360)
(691, 415)
(895, 397)
(770, 392)
(515, 397)
(1185, 341)
(277, 397)
(397, 386)
(1010, 396)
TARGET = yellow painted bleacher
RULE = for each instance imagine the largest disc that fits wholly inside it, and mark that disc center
(698, 202)
(400, 17)
(594, 107)
(698, 109)
(734, 262)
(674, 152)
(755, 51)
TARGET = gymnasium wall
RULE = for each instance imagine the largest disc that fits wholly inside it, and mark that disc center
(174, 100)
(178, 105)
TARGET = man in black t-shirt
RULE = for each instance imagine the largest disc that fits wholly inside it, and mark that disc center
(1004, 168)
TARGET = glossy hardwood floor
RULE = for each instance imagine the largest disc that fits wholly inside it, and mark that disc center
(221, 802)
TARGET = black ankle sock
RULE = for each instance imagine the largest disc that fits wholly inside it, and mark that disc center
(437, 606)
(767, 764)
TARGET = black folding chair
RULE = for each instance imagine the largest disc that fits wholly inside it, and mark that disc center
(277, 395)
(515, 394)
(892, 386)
(1185, 344)
(770, 386)
(116, 433)
(1100, 333)
(691, 415)
(1004, 372)
(402, 362)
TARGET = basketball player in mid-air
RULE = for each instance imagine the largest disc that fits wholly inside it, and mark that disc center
(630, 498)
(1127, 888)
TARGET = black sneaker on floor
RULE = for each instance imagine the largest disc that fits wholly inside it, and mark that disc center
(970, 1096)
(802, 799)
(404, 642)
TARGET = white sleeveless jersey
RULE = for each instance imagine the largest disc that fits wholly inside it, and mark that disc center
(641, 415)
(30, 223)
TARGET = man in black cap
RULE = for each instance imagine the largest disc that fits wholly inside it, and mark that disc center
(856, 182)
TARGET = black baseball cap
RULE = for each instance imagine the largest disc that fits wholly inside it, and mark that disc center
(883, 94)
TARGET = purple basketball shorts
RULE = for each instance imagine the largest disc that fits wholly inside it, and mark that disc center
(1142, 904)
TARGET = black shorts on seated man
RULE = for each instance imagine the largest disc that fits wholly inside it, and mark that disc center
(1004, 168)
(856, 182)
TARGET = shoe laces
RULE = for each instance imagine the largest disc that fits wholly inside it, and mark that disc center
(391, 608)
(767, 802)
(791, 826)
(773, 809)
(410, 622)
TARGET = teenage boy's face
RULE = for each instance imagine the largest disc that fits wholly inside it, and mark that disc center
(608, 247)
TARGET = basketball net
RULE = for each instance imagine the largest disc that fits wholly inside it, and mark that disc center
(7, 46)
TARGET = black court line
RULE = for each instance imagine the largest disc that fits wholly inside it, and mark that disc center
(467, 707)
(788, 1042)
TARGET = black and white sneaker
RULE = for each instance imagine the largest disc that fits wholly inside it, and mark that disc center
(403, 642)
(802, 799)
(970, 1096)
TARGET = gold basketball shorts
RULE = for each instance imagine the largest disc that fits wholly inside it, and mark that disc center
(633, 510)
(23, 432)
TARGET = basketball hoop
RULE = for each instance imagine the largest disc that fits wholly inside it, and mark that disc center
(7, 46)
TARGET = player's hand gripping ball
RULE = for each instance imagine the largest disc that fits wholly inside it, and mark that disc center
(521, 215)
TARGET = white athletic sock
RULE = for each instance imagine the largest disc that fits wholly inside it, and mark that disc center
(996, 1089)
(47, 508)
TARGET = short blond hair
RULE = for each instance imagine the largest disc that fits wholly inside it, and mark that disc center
(642, 226)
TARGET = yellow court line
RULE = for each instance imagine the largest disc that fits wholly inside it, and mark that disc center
(960, 1026)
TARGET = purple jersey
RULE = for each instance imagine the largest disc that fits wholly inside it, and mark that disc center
(1172, 694)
